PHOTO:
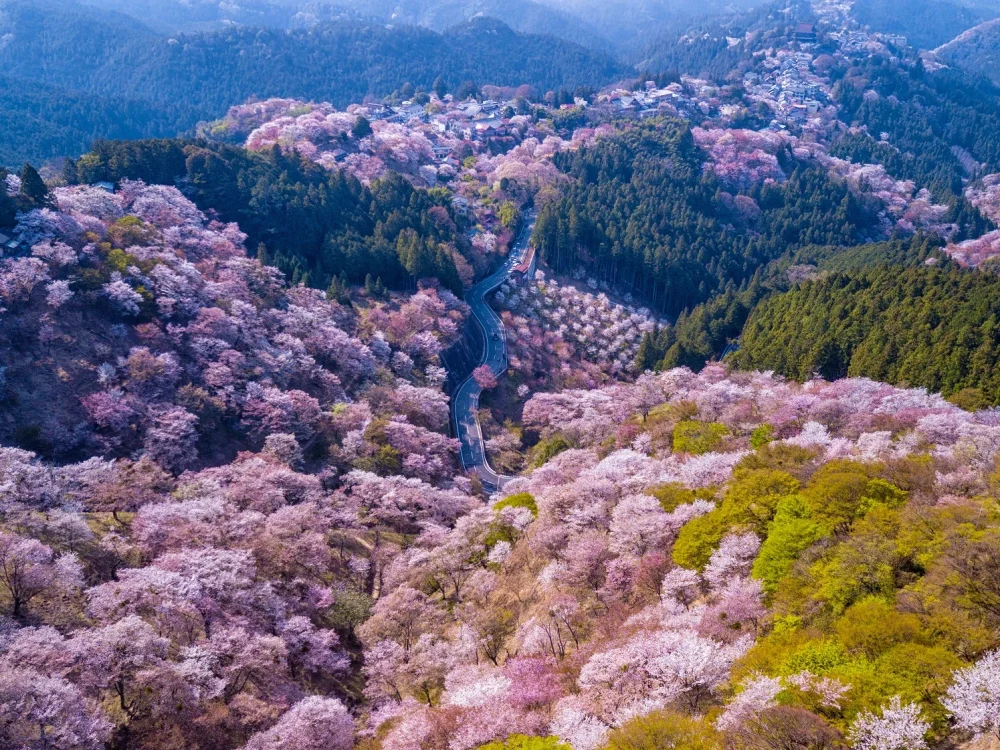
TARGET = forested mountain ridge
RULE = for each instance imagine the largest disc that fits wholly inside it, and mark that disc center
(526, 16)
(175, 16)
(315, 225)
(41, 121)
(714, 47)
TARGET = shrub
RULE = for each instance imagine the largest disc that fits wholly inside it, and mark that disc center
(871, 627)
(698, 538)
(698, 437)
(835, 491)
(762, 436)
(753, 496)
(665, 729)
(520, 500)
(791, 532)
(672, 494)
(525, 742)
(548, 449)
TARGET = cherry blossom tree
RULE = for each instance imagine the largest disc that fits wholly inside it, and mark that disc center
(123, 298)
(116, 659)
(58, 294)
(757, 694)
(314, 723)
(733, 557)
(28, 568)
(402, 616)
(974, 698)
(895, 727)
(171, 439)
(39, 711)
(485, 378)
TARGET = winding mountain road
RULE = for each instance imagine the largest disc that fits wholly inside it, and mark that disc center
(465, 402)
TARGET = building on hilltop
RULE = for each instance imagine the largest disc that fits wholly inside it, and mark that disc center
(805, 33)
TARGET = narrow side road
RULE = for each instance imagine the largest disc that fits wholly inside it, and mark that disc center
(465, 402)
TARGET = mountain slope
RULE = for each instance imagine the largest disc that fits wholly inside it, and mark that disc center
(976, 50)
(627, 21)
(922, 326)
(926, 23)
(202, 15)
(43, 122)
(526, 16)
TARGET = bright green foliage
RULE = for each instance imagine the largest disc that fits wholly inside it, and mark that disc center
(698, 538)
(509, 214)
(549, 448)
(791, 532)
(665, 729)
(916, 672)
(835, 491)
(871, 627)
(520, 500)
(753, 496)
(385, 462)
(525, 742)
(867, 563)
(789, 458)
(818, 657)
(672, 494)
(698, 437)
(761, 436)
(880, 493)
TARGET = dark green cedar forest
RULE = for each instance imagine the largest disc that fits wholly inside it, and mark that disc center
(705, 332)
(923, 326)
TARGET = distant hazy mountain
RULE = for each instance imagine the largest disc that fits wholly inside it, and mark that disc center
(926, 24)
(527, 16)
(976, 50)
(211, 15)
(171, 83)
(201, 15)
(599, 24)
(629, 21)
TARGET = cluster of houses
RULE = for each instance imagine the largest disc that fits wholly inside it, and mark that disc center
(787, 82)
(468, 120)
(649, 100)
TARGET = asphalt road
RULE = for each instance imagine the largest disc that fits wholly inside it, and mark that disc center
(466, 399)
